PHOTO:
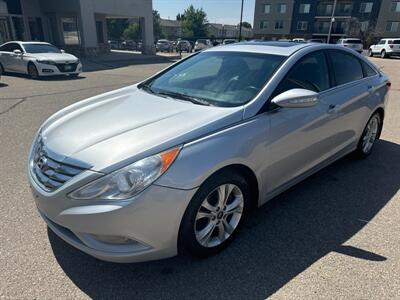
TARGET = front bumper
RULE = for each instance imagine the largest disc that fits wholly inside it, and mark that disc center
(53, 70)
(150, 221)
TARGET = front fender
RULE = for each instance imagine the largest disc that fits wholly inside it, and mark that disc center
(243, 144)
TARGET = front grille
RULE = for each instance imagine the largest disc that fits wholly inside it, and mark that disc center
(51, 170)
(67, 67)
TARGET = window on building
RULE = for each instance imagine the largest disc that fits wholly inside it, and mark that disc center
(264, 24)
(281, 8)
(328, 9)
(323, 27)
(278, 24)
(364, 26)
(395, 6)
(392, 26)
(346, 67)
(100, 32)
(302, 25)
(70, 31)
(345, 8)
(267, 8)
(36, 29)
(366, 7)
(304, 8)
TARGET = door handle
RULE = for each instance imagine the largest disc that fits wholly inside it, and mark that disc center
(332, 108)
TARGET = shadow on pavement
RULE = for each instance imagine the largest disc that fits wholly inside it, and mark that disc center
(280, 240)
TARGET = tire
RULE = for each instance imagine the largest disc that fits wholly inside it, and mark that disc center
(363, 150)
(193, 233)
(370, 54)
(383, 54)
(2, 71)
(32, 71)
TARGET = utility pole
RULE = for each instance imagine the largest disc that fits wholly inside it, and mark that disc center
(331, 22)
(240, 24)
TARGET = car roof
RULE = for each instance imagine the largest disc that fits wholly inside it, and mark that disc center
(278, 48)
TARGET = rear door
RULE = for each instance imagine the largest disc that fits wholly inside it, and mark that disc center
(5, 56)
(349, 99)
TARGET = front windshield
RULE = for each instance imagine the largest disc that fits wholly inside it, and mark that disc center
(41, 48)
(218, 78)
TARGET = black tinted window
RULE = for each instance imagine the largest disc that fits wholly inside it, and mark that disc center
(8, 47)
(346, 67)
(310, 73)
(368, 71)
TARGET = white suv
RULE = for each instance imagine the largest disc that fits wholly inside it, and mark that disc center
(355, 44)
(385, 48)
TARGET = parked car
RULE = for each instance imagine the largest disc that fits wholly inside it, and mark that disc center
(385, 48)
(129, 45)
(178, 160)
(38, 59)
(355, 44)
(299, 40)
(164, 46)
(202, 44)
(113, 44)
(319, 41)
(229, 41)
(184, 45)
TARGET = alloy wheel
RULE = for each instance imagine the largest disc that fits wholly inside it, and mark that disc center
(370, 135)
(219, 215)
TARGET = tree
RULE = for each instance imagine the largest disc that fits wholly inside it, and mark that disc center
(132, 32)
(116, 27)
(157, 26)
(194, 22)
(245, 24)
(180, 17)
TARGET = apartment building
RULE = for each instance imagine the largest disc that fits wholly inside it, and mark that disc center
(312, 18)
(75, 25)
(223, 31)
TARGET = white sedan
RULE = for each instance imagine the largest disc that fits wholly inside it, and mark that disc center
(37, 59)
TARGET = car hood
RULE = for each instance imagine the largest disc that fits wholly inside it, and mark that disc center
(120, 127)
(57, 57)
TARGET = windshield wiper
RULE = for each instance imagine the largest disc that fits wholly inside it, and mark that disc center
(184, 97)
(147, 88)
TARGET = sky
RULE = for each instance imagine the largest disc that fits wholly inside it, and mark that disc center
(218, 11)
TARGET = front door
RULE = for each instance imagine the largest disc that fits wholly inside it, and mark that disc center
(300, 138)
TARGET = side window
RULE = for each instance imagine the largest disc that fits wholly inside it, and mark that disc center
(310, 72)
(346, 67)
(6, 48)
(368, 71)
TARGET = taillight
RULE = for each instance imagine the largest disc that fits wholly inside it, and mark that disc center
(388, 84)
(391, 46)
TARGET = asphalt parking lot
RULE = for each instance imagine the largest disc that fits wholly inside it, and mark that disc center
(335, 235)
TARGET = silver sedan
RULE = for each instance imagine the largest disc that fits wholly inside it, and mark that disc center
(175, 163)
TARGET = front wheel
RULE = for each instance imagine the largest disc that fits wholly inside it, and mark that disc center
(214, 215)
(32, 71)
(383, 54)
(369, 136)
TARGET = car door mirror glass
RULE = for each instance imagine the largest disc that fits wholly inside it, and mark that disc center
(296, 98)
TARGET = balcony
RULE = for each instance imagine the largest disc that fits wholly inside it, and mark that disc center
(343, 9)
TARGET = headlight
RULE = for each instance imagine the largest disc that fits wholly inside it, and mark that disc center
(46, 62)
(129, 181)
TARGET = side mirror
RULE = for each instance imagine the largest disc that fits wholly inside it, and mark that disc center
(17, 52)
(62, 51)
(296, 98)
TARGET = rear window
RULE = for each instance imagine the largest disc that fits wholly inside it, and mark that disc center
(396, 42)
(346, 67)
(353, 41)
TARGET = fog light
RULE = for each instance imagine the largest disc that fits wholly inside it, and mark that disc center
(112, 239)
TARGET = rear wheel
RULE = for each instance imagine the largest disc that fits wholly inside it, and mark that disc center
(370, 54)
(32, 71)
(369, 136)
(214, 215)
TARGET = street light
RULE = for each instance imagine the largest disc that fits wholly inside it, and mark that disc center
(331, 22)
(240, 24)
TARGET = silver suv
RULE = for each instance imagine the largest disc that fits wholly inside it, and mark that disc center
(176, 162)
(355, 44)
